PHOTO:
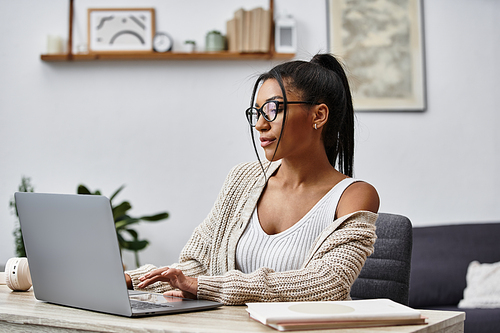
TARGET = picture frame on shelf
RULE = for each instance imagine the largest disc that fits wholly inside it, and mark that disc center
(121, 29)
(384, 55)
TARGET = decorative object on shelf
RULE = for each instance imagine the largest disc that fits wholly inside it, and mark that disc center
(214, 41)
(285, 34)
(162, 42)
(120, 29)
(190, 46)
(384, 53)
(54, 44)
(123, 222)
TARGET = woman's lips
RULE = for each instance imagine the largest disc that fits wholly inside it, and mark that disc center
(264, 142)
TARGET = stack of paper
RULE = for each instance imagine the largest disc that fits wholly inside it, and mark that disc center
(249, 31)
(289, 316)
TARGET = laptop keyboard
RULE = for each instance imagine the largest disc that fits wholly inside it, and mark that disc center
(138, 305)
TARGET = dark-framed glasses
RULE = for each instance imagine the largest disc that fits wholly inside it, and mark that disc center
(269, 110)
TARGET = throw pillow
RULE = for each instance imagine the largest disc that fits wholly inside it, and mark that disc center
(483, 287)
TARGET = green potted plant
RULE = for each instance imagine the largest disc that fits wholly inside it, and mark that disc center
(128, 238)
(25, 186)
(190, 46)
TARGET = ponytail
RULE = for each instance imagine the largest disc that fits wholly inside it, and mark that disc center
(339, 140)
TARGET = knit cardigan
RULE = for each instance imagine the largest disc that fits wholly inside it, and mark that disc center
(332, 266)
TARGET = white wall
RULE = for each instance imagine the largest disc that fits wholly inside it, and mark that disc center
(171, 130)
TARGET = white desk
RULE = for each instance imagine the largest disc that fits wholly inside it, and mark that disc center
(21, 312)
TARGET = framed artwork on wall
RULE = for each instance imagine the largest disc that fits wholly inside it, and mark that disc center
(381, 43)
(120, 29)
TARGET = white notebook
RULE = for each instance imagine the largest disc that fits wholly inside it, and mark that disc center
(332, 314)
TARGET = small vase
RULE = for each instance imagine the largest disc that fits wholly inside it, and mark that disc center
(214, 42)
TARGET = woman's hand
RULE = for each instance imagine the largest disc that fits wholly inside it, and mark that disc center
(128, 280)
(188, 286)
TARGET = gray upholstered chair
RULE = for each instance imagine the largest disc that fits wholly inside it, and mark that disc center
(386, 273)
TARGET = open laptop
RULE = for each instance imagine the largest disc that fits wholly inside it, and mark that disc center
(75, 260)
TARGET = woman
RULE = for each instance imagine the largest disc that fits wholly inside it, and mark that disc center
(293, 228)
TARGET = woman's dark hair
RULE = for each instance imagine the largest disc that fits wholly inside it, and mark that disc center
(321, 81)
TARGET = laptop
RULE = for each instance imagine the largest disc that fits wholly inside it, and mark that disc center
(74, 257)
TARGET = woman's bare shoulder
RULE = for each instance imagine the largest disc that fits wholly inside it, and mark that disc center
(358, 196)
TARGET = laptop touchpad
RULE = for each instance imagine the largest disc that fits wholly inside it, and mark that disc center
(156, 298)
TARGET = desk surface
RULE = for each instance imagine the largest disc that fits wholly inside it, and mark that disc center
(21, 308)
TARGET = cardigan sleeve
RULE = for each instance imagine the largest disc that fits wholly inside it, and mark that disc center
(328, 275)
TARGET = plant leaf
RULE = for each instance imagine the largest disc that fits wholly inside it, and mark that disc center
(121, 210)
(82, 189)
(154, 218)
(136, 245)
(125, 222)
(116, 192)
(121, 240)
(133, 233)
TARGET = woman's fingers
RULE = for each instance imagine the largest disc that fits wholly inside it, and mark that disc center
(188, 286)
(176, 278)
(153, 273)
(152, 277)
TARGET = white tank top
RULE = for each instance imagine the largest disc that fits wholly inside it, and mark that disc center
(287, 250)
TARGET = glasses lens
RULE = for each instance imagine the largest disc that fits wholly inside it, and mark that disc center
(252, 116)
(270, 109)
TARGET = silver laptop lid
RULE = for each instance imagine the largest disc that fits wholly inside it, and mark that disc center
(73, 251)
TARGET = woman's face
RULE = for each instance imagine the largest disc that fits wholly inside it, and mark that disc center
(298, 131)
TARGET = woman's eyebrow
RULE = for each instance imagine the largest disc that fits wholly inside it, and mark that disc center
(270, 99)
(273, 98)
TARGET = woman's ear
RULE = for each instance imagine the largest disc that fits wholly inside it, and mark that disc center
(320, 115)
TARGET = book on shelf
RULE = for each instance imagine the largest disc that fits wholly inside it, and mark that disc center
(239, 16)
(291, 316)
(255, 26)
(265, 31)
(249, 31)
(231, 35)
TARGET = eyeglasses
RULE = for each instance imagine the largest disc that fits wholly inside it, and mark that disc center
(269, 111)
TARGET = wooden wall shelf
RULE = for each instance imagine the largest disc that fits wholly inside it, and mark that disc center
(223, 55)
(165, 56)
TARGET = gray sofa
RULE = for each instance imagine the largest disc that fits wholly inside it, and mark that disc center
(440, 258)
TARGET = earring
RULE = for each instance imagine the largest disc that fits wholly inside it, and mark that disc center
(315, 126)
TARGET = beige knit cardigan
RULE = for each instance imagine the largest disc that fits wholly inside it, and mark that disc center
(329, 271)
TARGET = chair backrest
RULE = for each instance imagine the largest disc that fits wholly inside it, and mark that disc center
(386, 273)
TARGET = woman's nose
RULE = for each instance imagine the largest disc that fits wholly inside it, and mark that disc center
(262, 124)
